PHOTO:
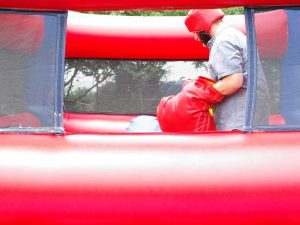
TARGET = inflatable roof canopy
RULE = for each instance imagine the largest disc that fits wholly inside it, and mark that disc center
(101, 5)
(134, 37)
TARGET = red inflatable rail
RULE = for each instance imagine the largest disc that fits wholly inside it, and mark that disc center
(126, 37)
(82, 123)
(225, 178)
(101, 5)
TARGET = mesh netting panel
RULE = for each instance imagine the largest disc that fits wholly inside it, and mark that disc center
(124, 86)
(278, 33)
(28, 61)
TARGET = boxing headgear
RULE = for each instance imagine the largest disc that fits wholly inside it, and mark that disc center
(202, 19)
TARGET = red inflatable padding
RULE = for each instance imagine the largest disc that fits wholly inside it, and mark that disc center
(24, 119)
(126, 37)
(21, 33)
(79, 123)
(96, 5)
(188, 111)
(209, 179)
(276, 119)
(271, 32)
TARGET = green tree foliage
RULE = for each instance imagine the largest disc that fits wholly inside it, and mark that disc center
(234, 11)
(76, 68)
(147, 13)
(227, 11)
(84, 104)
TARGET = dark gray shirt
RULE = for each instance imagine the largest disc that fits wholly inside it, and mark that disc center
(228, 55)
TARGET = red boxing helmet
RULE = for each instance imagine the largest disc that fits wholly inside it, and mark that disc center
(202, 19)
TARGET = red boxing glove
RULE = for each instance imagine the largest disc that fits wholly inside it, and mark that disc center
(188, 111)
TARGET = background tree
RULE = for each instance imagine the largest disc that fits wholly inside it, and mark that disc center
(82, 69)
(135, 87)
(227, 11)
(119, 86)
